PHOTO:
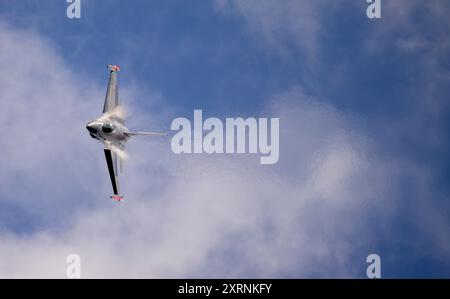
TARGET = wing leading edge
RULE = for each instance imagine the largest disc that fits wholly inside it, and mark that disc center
(145, 133)
(112, 94)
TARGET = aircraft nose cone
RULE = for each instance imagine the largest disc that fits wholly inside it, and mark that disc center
(91, 128)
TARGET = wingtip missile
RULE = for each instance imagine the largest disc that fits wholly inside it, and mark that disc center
(113, 67)
(117, 198)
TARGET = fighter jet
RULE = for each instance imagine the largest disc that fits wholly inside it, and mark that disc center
(110, 129)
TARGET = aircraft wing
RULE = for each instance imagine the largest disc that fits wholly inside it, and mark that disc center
(111, 161)
(145, 134)
(112, 94)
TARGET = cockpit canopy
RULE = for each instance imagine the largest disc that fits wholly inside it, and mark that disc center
(107, 128)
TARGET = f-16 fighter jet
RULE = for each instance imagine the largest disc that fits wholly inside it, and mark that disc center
(110, 129)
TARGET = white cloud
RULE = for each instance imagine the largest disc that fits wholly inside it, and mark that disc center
(282, 24)
(184, 214)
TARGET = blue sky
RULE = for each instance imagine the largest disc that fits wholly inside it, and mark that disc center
(367, 99)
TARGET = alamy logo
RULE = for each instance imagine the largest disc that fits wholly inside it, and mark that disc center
(374, 9)
(74, 267)
(229, 138)
(74, 9)
(374, 268)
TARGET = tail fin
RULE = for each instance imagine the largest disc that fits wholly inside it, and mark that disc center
(145, 134)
